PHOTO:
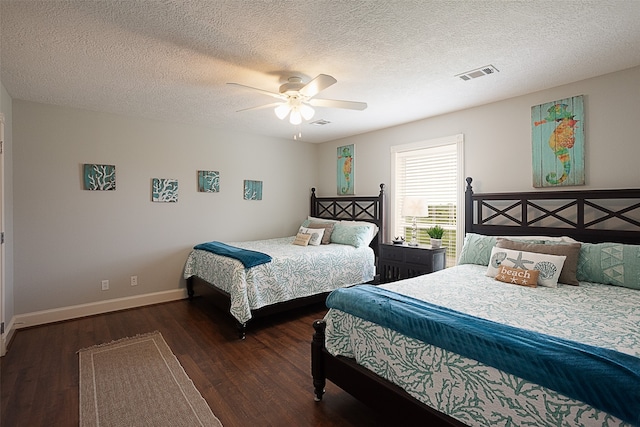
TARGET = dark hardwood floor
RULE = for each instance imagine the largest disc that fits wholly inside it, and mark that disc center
(264, 380)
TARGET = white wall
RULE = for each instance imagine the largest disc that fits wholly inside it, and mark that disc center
(498, 139)
(68, 239)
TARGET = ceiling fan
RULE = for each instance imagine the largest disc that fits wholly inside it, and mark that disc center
(297, 98)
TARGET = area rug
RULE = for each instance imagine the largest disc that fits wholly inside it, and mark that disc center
(138, 381)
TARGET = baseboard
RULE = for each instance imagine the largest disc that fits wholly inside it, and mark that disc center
(9, 332)
(66, 313)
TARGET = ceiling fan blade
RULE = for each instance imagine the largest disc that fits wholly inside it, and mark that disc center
(265, 92)
(260, 107)
(334, 103)
(321, 82)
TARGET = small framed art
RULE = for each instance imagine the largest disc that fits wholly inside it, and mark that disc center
(164, 190)
(208, 181)
(252, 190)
(99, 177)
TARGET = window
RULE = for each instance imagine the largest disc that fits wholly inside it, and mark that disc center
(431, 170)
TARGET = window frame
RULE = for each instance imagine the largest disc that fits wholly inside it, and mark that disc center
(458, 140)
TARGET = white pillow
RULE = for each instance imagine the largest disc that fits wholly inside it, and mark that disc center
(549, 266)
(316, 235)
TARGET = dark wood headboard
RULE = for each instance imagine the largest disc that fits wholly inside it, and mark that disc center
(586, 215)
(353, 208)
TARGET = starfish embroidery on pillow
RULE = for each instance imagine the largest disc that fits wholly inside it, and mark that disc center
(519, 262)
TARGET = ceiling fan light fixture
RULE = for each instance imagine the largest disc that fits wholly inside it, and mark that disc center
(307, 112)
(295, 118)
(297, 99)
(282, 110)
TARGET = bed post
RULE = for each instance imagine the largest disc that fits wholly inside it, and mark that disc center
(313, 209)
(468, 206)
(317, 359)
(382, 234)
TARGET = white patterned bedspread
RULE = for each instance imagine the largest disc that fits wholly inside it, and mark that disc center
(294, 272)
(476, 394)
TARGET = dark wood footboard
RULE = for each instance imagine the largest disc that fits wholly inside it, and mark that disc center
(368, 387)
(222, 300)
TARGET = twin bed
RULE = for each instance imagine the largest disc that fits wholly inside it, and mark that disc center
(458, 347)
(295, 275)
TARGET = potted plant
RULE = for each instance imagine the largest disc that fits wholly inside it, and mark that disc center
(435, 233)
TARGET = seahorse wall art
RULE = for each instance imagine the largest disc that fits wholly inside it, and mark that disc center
(346, 170)
(558, 143)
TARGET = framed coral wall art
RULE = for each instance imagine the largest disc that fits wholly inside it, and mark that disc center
(99, 177)
(164, 190)
(208, 181)
(557, 136)
(252, 190)
(346, 171)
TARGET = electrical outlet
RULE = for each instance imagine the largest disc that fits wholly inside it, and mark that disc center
(134, 280)
(105, 285)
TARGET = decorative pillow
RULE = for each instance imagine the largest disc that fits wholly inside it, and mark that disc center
(316, 235)
(373, 229)
(549, 266)
(327, 226)
(543, 239)
(373, 226)
(570, 250)
(302, 239)
(476, 249)
(518, 276)
(355, 236)
(316, 219)
(610, 263)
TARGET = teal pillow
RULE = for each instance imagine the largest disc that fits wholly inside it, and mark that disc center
(610, 263)
(476, 249)
(354, 235)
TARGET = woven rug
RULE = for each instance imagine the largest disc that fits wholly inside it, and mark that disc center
(138, 381)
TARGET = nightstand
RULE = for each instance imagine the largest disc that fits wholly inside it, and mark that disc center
(402, 261)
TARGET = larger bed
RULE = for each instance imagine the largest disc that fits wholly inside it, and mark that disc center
(458, 347)
(295, 275)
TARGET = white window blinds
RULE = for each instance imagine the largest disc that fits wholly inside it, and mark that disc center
(431, 170)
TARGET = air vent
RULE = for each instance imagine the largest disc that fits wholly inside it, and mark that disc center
(479, 72)
(320, 122)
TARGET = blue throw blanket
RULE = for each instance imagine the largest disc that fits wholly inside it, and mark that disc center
(605, 379)
(246, 257)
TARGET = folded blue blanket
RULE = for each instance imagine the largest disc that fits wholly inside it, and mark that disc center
(246, 257)
(605, 379)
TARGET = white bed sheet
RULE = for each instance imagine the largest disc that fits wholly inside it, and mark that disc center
(294, 272)
(477, 394)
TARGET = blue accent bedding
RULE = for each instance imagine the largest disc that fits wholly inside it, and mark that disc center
(603, 378)
(246, 257)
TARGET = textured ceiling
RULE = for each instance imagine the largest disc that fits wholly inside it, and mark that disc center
(170, 60)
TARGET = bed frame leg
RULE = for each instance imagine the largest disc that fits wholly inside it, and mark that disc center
(317, 359)
(242, 330)
(190, 292)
